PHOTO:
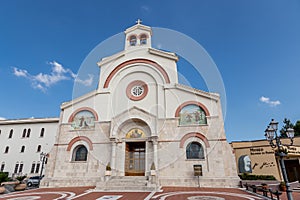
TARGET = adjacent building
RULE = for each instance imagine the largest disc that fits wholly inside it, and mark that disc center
(138, 117)
(258, 158)
(22, 141)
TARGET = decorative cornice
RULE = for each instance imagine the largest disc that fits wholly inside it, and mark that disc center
(77, 100)
(163, 54)
(29, 121)
(108, 59)
(209, 95)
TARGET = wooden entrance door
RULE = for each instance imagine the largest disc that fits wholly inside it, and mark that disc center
(293, 170)
(135, 159)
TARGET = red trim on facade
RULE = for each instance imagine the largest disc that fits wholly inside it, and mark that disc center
(221, 139)
(134, 61)
(80, 138)
(140, 35)
(191, 103)
(194, 134)
(135, 83)
(81, 109)
(136, 36)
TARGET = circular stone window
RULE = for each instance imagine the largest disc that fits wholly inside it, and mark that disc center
(137, 90)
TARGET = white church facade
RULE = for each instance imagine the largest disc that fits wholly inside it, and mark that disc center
(138, 117)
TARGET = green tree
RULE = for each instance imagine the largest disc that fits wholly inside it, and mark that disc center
(297, 128)
(3, 177)
(287, 124)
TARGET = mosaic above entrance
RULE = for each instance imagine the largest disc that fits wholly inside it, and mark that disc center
(135, 133)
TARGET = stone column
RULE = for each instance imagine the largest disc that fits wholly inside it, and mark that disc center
(122, 159)
(154, 179)
(147, 168)
(113, 156)
(155, 156)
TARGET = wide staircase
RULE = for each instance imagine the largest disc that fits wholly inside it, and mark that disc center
(128, 183)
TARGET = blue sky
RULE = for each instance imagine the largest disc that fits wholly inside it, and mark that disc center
(255, 45)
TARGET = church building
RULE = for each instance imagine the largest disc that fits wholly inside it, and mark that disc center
(143, 125)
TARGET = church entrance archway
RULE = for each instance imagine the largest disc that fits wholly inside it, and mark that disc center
(135, 159)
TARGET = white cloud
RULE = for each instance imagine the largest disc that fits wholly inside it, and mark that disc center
(2, 118)
(58, 73)
(20, 72)
(159, 46)
(86, 82)
(145, 8)
(269, 102)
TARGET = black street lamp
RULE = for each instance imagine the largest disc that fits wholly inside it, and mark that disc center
(271, 134)
(43, 157)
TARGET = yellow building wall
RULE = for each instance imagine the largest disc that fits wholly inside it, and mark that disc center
(263, 160)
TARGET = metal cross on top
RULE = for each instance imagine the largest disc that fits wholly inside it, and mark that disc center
(139, 21)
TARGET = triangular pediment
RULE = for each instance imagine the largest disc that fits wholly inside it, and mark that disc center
(134, 112)
(138, 27)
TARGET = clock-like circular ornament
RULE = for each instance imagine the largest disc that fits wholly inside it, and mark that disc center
(136, 90)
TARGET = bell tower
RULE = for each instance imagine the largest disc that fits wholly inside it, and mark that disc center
(138, 36)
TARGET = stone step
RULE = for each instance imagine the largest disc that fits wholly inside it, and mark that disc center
(297, 189)
(129, 177)
(127, 183)
(129, 188)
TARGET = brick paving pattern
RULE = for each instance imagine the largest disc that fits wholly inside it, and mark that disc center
(185, 192)
(168, 193)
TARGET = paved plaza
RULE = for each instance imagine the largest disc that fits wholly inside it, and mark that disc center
(166, 193)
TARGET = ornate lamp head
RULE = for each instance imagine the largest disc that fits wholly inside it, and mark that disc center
(274, 125)
(269, 133)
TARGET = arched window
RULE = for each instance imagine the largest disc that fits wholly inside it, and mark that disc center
(28, 132)
(6, 149)
(32, 167)
(24, 133)
(42, 132)
(21, 167)
(37, 168)
(22, 149)
(80, 153)
(143, 39)
(2, 167)
(39, 148)
(11, 133)
(194, 150)
(132, 40)
(16, 168)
